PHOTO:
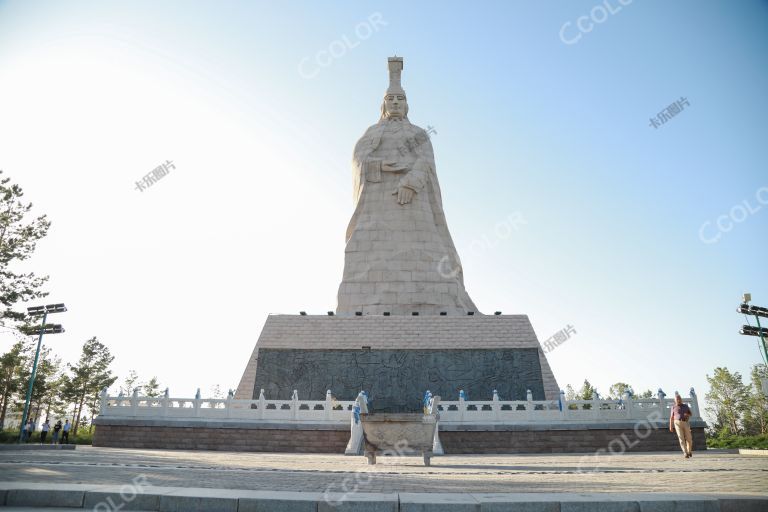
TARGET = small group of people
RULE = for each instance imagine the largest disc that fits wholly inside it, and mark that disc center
(58, 428)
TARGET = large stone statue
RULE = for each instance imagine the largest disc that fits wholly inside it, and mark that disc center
(399, 259)
(399, 256)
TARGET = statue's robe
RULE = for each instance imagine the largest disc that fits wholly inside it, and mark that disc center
(399, 258)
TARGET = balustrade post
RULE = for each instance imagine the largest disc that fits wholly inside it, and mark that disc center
(197, 403)
(328, 404)
(694, 403)
(529, 406)
(596, 405)
(462, 405)
(103, 401)
(563, 405)
(295, 405)
(228, 405)
(166, 402)
(662, 403)
(134, 402)
(496, 406)
(262, 404)
(628, 404)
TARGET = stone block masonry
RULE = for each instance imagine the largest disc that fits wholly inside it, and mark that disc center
(474, 439)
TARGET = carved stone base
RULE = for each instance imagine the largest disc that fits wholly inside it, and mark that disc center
(397, 358)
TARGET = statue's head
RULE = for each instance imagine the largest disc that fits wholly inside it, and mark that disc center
(395, 106)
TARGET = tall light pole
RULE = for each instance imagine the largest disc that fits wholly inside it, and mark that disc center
(762, 332)
(43, 329)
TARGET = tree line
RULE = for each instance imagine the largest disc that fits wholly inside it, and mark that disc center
(737, 408)
(61, 391)
(615, 392)
(734, 408)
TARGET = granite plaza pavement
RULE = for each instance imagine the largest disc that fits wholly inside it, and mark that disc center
(123, 479)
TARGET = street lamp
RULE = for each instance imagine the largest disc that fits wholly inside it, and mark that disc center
(43, 329)
(760, 331)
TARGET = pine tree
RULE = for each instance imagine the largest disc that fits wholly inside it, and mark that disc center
(88, 377)
(11, 377)
(18, 238)
(130, 383)
(152, 388)
(587, 391)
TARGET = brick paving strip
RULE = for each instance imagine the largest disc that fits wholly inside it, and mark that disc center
(471, 482)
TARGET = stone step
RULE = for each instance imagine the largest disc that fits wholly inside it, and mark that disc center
(18, 495)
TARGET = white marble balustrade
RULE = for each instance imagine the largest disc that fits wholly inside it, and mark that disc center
(330, 410)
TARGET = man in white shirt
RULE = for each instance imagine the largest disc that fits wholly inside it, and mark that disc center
(44, 431)
(65, 432)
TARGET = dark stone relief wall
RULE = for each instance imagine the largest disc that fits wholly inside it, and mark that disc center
(397, 379)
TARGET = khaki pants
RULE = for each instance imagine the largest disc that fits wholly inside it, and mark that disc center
(683, 429)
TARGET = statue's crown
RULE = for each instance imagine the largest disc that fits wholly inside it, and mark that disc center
(395, 71)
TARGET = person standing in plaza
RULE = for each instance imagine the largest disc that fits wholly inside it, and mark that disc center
(679, 421)
(26, 432)
(56, 429)
(65, 432)
(44, 431)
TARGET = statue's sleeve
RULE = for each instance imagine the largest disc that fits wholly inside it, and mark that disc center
(365, 168)
(416, 178)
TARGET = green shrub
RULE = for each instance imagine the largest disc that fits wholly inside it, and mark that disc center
(12, 436)
(728, 441)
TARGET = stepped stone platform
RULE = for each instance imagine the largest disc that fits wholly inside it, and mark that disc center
(104, 479)
(396, 358)
(328, 438)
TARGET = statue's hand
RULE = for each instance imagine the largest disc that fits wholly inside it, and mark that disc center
(404, 194)
(392, 166)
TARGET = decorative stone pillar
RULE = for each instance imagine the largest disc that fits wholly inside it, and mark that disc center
(694, 404)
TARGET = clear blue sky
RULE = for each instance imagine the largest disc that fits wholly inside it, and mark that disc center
(178, 279)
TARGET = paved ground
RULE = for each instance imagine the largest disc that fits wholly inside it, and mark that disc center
(706, 473)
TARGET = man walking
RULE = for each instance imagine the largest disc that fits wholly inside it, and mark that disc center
(26, 433)
(44, 431)
(56, 429)
(65, 432)
(679, 422)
